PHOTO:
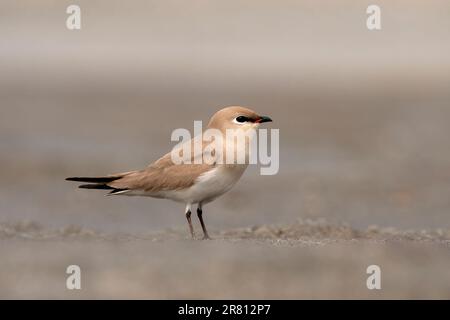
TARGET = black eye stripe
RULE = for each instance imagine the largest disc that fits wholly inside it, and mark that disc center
(242, 119)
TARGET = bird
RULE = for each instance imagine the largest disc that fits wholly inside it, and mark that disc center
(190, 183)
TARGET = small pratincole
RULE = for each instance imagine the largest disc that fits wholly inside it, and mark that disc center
(192, 182)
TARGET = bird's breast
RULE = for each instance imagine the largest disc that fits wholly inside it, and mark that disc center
(210, 184)
(217, 181)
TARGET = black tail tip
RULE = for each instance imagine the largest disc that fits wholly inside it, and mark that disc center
(93, 179)
(96, 186)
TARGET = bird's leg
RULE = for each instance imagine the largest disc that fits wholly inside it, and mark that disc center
(200, 217)
(188, 217)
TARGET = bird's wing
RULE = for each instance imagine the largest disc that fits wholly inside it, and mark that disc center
(160, 176)
(164, 174)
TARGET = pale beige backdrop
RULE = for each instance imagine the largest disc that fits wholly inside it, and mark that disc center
(364, 127)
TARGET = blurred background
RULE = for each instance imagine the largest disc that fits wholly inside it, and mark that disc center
(363, 115)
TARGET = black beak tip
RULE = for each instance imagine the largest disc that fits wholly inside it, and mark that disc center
(264, 119)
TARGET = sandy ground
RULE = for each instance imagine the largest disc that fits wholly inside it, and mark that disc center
(303, 260)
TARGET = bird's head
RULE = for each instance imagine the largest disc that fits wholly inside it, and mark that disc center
(236, 118)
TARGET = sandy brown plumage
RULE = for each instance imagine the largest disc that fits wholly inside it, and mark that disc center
(188, 182)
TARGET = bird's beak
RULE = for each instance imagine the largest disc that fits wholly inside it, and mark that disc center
(262, 119)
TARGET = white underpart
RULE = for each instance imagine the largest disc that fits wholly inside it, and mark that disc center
(206, 188)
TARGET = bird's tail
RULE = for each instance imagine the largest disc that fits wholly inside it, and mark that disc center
(98, 183)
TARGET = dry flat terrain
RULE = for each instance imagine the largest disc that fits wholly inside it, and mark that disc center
(303, 260)
(364, 142)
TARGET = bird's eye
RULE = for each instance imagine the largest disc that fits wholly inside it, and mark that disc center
(241, 119)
